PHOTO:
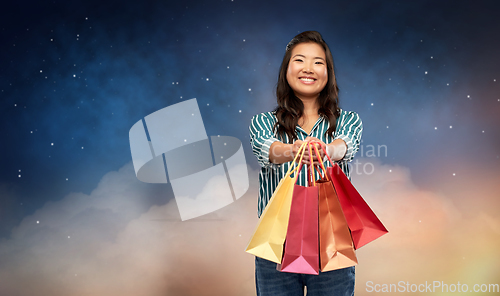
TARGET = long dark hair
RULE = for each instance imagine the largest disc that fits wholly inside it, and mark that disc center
(290, 108)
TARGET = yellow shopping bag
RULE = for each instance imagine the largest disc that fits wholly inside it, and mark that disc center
(269, 236)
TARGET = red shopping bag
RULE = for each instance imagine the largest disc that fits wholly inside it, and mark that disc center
(363, 223)
(301, 246)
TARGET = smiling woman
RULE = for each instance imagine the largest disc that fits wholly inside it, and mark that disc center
(307, 97)
(307, 73)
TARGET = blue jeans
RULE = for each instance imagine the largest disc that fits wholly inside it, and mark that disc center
(271, 282)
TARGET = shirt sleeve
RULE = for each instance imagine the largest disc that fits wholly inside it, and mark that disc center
(350, 129)
(261, 138)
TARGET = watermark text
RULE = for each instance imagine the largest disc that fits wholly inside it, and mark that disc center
(431, 287)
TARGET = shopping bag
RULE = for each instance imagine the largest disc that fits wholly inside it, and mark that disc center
(363, 223)
(301, 246)
(336, 249)
(269, 236)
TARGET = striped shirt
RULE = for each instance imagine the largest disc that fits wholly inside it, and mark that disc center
(349, 128)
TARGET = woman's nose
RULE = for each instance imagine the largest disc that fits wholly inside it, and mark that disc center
(307, 68)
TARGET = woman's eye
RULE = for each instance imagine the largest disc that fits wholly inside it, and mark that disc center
(298, 60)
(319, 63)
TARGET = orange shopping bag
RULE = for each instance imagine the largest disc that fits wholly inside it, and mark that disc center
(336, 248)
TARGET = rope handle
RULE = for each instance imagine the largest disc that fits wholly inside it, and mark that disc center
(294, 162)
(321, 163)
(310, 175)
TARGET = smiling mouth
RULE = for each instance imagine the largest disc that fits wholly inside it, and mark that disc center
(307, 79)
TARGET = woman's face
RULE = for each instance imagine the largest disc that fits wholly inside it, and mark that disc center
(307, 72)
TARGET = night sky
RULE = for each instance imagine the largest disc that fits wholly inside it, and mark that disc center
(75, 76)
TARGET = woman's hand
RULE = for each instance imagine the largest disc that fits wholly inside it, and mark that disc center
(281, 153)
(320, 145)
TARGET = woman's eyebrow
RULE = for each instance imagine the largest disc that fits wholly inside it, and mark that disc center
(301, 55)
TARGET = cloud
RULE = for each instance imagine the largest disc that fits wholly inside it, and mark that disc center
(113, 242)
(120, 240)
(430, 236)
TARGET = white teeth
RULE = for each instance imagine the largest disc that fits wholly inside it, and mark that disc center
(307, 79)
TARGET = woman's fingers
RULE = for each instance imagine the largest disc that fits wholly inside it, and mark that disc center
(306, 159)
(311, 151)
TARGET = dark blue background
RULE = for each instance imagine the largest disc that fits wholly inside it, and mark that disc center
(76, 75)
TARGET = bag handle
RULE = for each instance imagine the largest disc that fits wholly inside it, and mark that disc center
(298, 167)
(311, 171)
(294, 162)
(319, 157)
(328, 156)
(334, 166)
(310, 175)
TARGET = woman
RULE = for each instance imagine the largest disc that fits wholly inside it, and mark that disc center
(308, 110)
